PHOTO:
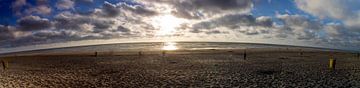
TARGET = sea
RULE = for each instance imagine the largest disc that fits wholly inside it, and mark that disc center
(156, 46)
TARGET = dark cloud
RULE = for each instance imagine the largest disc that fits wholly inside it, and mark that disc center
(300, 26)
(217, 5)
(229, 21)
(123, 29)
(84, 1)
(253, 30)
(47, 37)
(6, 33)
(114, 10)
(31, 23)
(71, 21)
(200, 8)
(102, 24)
(42, 37)
(300, 21)
(246, 24)
(283, 32)
(110, 10)
(337, 32)
(71, 26)
(216, 32)
(185, 14)
(264, 21)
(307, 35)
(42, 2)
(138, 9)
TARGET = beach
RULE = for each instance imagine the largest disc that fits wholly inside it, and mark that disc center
(272, 67)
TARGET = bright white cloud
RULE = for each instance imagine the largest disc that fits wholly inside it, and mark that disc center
(64, 4)
(336, 9)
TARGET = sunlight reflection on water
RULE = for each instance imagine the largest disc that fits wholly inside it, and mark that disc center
(169, 46)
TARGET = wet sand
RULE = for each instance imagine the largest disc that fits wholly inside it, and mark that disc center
(206, 68)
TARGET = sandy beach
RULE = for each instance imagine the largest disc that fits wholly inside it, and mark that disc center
(206, 68)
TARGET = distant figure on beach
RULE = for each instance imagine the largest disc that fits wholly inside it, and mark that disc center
(4, 64)
(163, 53)
(140, 53)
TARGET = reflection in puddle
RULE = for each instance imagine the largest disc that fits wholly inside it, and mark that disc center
(169, 46)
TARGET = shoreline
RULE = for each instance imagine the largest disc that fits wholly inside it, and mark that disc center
(180, 51)
(187, 49)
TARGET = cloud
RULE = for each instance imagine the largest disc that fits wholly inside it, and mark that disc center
(123, 29)
(339, 33)
(18, 5)
(137, 9)
(42, 8)
(32, 23)
(42, 37)
(264, 21)
(140, 18)
(201, 8)
(345, 33)
(70, 21)
(287, 26)
(246, 24)
(23, 8)
(229, 21)
(300, 26)
(110, 10)
(114, 10)
(65, 4)
(6, 33)
(121, 20)
(84, 1)
(336, 9)
(10, 34)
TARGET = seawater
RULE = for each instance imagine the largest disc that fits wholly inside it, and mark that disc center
(156, 46)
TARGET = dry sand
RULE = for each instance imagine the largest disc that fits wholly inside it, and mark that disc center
(209, 68)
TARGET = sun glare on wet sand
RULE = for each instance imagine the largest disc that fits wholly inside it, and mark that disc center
(169, 46)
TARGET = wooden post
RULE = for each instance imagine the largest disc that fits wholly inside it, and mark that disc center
(96, 54)
(301, 52)
(244, 54)
(358, 55)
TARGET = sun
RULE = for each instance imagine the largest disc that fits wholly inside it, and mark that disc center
(167, 24)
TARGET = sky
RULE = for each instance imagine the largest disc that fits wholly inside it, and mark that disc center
(37, 24)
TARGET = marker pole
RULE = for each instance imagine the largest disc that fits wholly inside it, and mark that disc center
(244, 54)
(332, 62)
